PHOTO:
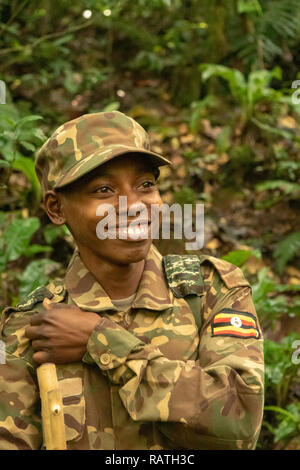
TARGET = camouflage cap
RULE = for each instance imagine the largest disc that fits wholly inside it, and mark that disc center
(80, 145)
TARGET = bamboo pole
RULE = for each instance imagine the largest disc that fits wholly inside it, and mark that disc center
(52, 408)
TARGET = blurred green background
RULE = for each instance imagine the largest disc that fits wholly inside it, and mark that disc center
(215, 84)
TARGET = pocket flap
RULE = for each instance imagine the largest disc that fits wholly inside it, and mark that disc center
(73, 407)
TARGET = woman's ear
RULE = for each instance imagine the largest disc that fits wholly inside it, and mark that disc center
(53, 203)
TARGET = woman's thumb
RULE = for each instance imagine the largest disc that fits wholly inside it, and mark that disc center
(47, 303)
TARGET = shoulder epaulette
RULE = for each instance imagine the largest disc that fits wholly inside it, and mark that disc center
(54, 291)
(185, 280)
(183, 274)
(36, 296)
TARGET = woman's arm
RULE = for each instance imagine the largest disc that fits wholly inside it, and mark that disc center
(213, 402)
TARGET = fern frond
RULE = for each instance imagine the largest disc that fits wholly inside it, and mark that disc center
(286, 250)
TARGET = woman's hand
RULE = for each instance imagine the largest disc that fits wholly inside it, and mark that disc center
(61, 333)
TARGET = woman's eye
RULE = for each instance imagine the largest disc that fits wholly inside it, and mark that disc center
(103, 189)
(148, 184)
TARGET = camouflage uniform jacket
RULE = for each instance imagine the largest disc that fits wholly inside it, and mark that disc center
(148, 380)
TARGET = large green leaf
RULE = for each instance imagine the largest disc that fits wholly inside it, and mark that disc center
(36, 274)
(26, 165)
(33, 249)
(249, 6)
(234, 77)
(27, 119)
(17, 236)
(258, 85)
(238, 257)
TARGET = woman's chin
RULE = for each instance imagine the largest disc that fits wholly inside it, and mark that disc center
(124, 251)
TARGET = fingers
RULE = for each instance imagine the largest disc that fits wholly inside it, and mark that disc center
(40, 344)
(36, 328)
(41, 357)
(32, 332)
(36, 319)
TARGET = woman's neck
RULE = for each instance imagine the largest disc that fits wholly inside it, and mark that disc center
(118, 280)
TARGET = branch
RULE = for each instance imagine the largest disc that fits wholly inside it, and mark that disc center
(47, 36)
(13, 16)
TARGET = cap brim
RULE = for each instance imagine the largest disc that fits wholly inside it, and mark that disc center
(95, 160)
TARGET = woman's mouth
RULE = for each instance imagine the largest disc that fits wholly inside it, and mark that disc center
(133, 231)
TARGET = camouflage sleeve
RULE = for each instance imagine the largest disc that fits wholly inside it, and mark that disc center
(215, 402)
(20, 424)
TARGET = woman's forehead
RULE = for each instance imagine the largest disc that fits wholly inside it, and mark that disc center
(131, 163)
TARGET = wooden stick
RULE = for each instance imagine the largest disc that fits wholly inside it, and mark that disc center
(52, 408)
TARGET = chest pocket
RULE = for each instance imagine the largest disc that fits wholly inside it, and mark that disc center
(74, 407)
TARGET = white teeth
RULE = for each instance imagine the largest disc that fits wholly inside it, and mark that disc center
(133, 232)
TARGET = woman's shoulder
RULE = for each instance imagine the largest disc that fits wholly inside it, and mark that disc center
(15, 319)
(187, 273)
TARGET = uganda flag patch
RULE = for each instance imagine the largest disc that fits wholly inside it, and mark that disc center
(230, 322)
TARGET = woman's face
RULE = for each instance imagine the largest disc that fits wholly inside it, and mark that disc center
(128, 175)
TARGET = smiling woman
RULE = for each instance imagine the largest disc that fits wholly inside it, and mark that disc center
(143, 357)
(78, 206)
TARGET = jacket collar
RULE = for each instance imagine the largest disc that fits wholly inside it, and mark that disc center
(85, 291)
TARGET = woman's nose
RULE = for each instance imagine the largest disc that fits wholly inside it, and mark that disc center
(132, 196)
(131, 203)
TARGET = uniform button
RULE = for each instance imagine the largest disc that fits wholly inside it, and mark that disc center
(105, 359)
(58, 290)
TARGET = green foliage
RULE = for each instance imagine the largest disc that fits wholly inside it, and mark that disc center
(280, 370)
(268, 301)
(247, 92)
(266, 36)
(239, 257)
(53, 232)
(278, 190)
(281, 375)
(19, 139)
(185, 196)
(199, 109)
(37, 273)
(162, 37)
(288, 419)
(249, 6)
(15, 240)
(286, 250)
